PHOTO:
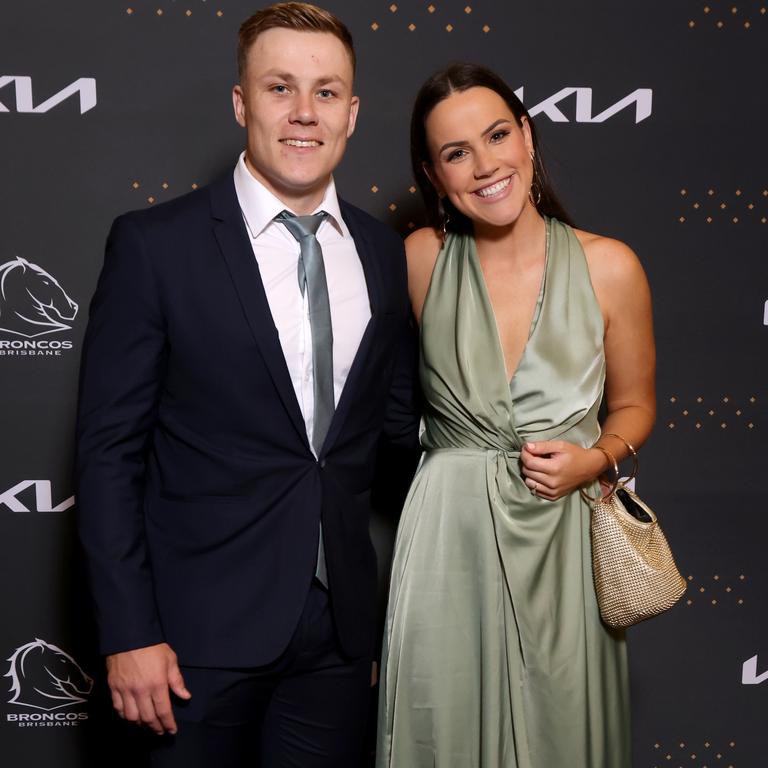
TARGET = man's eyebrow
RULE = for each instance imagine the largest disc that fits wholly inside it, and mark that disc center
(290, 78)
(278, 73)
(464, 142)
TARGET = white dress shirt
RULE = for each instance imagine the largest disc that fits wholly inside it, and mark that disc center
(277, 255)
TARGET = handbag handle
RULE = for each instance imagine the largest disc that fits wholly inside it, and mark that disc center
(615, 467)
(633, 453)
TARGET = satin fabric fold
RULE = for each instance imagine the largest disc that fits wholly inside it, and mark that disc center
(494, 653)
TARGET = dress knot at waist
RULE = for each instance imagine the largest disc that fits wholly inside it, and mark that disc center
(508, 454)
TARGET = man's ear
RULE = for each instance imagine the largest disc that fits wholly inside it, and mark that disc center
(238, 104)
(430, 174)
(354, 108)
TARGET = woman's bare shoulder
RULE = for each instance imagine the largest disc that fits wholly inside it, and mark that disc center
(421, 249)
(609, 260)
(423, 244)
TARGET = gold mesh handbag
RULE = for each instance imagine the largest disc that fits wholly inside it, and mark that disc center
(633, 567)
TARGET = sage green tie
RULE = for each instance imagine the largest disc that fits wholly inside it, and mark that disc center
(312, 282)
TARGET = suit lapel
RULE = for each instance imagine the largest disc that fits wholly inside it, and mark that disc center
(231, 235)
(366, 253)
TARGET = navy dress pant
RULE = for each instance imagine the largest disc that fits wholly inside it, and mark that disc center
(308, 709)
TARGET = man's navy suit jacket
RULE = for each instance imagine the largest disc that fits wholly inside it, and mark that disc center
(198, 494)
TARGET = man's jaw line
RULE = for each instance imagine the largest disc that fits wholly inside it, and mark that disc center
(300, 201)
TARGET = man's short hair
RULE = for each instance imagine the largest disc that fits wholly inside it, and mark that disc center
(301, 17)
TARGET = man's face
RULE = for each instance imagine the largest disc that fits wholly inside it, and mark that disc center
(295, 101)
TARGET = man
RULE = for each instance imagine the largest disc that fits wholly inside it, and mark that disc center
(248, 346)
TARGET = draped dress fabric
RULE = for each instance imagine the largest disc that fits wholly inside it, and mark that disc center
(494, 652)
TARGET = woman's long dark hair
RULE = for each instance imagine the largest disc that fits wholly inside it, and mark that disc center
(461, 77)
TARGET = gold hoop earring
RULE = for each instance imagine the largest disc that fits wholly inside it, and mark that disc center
(535, 186)
(445, 219)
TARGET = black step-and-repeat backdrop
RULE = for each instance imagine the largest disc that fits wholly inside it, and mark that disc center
(653, 118)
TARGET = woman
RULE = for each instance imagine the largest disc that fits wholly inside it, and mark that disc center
(494, 650)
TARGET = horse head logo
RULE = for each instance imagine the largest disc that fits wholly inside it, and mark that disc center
(32, 303)
(44, 677)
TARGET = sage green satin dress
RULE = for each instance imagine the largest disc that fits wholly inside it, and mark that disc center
(494, 652)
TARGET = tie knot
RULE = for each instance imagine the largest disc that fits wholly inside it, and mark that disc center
(301, 226)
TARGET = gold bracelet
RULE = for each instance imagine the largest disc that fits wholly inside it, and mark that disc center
(612, 465)
(632, 451)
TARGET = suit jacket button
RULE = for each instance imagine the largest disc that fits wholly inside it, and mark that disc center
(322, 463)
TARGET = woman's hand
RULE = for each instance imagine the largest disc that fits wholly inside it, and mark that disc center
(554, 468)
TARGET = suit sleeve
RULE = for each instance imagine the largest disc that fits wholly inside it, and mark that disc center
(401, 421)
(121, 378)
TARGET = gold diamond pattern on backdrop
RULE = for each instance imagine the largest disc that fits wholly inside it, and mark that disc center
(171, 8)
(727, 15)
(711, 205)
(699, 753)
(446, 18)
(701, 413)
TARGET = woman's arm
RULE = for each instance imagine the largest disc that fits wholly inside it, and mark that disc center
(625, 299)
(421, 249)
(555, 468)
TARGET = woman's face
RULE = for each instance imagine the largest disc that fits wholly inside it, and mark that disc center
(481, 156)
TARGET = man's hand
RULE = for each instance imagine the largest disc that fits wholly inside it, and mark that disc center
(139, 681)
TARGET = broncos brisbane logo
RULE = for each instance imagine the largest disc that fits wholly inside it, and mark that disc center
(44, 677)
(32, 303)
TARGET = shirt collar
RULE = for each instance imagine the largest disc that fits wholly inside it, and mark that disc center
(260, 206)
